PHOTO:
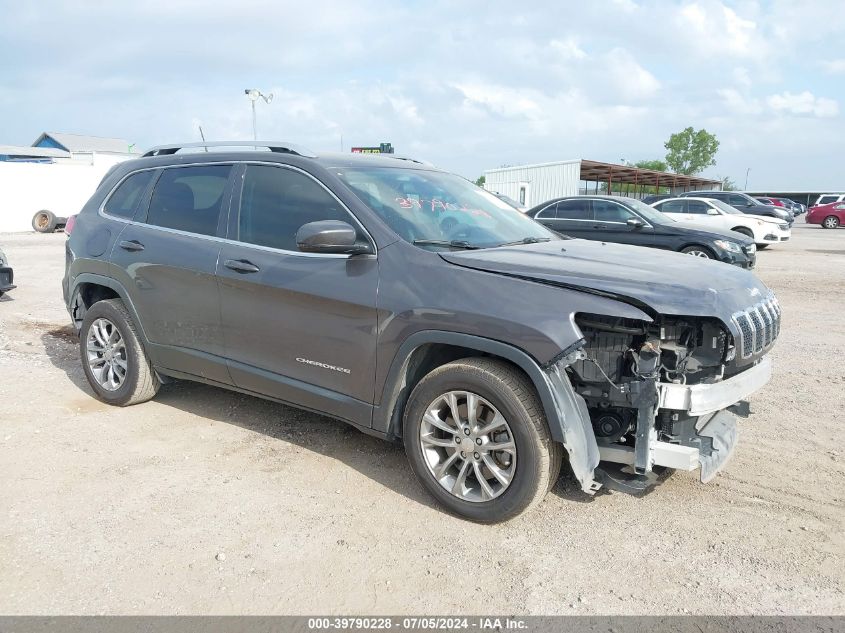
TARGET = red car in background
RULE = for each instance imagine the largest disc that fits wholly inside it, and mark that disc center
(830, 216)
(774, 202)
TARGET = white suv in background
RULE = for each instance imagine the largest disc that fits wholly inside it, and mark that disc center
(764, 230)
(827, 198)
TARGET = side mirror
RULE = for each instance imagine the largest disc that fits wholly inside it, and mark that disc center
(634, 223)
(330, 236)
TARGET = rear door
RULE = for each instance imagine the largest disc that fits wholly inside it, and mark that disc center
(675, 209)
(299, 327)
(574, 217)
(167, 262)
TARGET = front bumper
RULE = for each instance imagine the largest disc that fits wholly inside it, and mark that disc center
(699, 400)
(7, 278)
(711, 431)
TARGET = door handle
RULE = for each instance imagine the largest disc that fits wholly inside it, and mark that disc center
(241, 266)
(131, 245)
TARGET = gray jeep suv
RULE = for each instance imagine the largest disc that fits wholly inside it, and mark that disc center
(415, 306)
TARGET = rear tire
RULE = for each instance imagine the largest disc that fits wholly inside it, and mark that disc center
(830, 222)
(431, 436)
(115, 364)
(698, 251)
(44, 221)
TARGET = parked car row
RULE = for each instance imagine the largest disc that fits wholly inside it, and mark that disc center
(628, 221)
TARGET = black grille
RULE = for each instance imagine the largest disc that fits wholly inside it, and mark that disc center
(759, 326)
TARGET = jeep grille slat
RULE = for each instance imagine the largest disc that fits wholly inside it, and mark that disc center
(759, 327)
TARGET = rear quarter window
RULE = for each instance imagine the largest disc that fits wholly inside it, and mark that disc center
(123, 202)
(189, 198)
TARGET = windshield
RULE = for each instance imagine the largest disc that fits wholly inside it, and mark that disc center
(724, 207)
(422, 205)
(649, 213)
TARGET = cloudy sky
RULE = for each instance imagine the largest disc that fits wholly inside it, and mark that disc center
(469, 85)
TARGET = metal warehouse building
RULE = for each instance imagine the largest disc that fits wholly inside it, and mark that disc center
(533, 184)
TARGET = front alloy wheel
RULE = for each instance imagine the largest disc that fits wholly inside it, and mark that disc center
(477, 438)
(468, 446)
(697, 251)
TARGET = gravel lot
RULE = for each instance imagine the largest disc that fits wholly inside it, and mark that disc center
(206, 501)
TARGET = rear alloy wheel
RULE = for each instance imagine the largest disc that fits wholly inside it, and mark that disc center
(477, 439)
(697, 251)
(115, 364)
(830, 222)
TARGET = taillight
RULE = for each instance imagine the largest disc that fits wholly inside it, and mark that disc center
(69, 224)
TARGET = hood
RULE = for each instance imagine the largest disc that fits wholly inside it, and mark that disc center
(765, 218)
(659, 282)
(713, 233)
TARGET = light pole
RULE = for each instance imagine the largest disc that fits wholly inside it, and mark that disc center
(746, 179)
(254, 95)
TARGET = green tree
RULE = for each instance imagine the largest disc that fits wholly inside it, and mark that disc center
(655, 164)
(481, 180)
(689, 151)
(729, 185)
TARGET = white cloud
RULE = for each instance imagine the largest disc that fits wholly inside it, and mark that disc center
(626, 5)
(715, 30)
(834, 66)
(804, 103)
(626, 75)
(567, 49)
(739, 103)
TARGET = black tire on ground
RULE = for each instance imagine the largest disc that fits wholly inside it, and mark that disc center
(141, 382)
(538, 457)
(699, 249)
(44, 221)
(830, 222)
(761, 247)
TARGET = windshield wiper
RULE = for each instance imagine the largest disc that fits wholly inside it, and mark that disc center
(527, 240)
(453, 243)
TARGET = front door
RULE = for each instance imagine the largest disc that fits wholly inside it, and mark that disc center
(298, 327)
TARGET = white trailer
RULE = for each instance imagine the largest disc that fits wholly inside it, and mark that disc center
(61, 187)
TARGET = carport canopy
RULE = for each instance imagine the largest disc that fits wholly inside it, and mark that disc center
(592, 170)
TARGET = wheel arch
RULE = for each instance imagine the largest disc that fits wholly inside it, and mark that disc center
(89, 288)
(424, 351)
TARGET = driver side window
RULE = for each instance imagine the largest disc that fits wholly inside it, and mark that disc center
(276, 202)
(607, 211)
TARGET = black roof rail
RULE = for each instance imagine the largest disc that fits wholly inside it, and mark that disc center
(280, 147)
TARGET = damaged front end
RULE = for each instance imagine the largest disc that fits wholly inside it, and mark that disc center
(662, 394)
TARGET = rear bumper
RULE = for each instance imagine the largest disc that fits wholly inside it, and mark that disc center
(7, 278)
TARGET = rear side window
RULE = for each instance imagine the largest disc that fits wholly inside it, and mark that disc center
(673, 206)
(827, 199)
(573, 210)
(189, 198)
(697, 207)
(276, 202)
(123, 202)
(737, 200)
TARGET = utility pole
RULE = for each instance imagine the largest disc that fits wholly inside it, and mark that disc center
(254, 95)
(746, 179)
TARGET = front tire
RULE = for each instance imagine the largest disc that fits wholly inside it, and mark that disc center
(745, 231)
(477, 438)
(761, 247)
(830, 222)
(698, 251)
(115, 364)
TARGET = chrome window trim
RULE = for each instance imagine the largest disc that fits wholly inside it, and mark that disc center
(540, 216)
(223, 240)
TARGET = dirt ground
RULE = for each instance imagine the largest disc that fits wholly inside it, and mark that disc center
(206, 501)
